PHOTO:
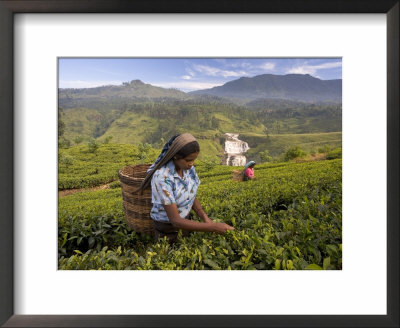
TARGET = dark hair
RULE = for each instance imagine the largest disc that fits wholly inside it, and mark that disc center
(190, 148)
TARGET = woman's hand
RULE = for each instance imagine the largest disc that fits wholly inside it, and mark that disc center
(185, 224)
(221, 228)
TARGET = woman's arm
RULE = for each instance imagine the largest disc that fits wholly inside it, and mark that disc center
(180, 223)
(249, 173)
(200, 212)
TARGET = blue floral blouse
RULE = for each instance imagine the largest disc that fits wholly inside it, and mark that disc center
(169, 188)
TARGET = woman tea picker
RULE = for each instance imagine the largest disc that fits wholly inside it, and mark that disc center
(248, 172)
(174, 184)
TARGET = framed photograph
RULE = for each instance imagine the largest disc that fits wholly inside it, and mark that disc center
(42, 38)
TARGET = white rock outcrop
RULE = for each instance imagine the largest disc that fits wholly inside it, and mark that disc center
(234, 150)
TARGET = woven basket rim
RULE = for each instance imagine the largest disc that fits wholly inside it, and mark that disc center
(121, 175)
(126, 176)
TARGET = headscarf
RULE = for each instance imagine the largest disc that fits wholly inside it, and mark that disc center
(163, 151)
(249, 164)
(175, 144)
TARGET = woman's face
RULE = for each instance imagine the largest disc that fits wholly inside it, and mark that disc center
(187, 162)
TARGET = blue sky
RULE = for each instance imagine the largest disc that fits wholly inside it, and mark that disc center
(187, 74)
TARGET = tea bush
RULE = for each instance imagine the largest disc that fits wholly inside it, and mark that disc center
(290, 218)
(293, 153)
(91, 169)
(335, 153)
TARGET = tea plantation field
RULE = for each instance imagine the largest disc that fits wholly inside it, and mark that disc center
(290, 218)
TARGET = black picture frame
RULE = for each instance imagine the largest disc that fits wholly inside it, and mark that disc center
(10, 7)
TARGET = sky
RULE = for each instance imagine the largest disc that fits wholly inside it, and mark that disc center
(186, 74)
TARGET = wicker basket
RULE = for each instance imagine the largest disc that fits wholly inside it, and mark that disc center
(137, 205)
(237, 175)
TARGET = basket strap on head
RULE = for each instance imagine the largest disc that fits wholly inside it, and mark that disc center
(176, 145)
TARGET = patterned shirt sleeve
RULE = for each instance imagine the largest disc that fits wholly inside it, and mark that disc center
(162, 190)
(194, 176)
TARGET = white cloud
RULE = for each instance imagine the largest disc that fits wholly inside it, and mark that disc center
(251, 67)
(241, 64)
(214, 71)
(312, 69)
(302, 70)
(268, 66)
(328, 65)
(189, 71)
(86, 84)
(186, 77)
(187, 86)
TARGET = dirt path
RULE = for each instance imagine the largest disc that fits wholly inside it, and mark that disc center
(68, 192)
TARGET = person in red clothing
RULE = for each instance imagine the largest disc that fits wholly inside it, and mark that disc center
(248, 173)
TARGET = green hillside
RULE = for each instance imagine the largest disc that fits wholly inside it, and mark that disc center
(131, 128)
(133, 89)
(81, 121)
(80, 168)
(153, 122)
(278, 144)
(138, 113)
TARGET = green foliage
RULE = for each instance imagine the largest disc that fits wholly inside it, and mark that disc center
(84, 121)
(133, 121)
(335, 153)
(209, 162)
(93, 145)
(78, 140)
(65, 159)
(107, 140)
(162, 142)
(264, 156)
(278, 144)
(324, 149)
(61, 124)
(214, 123)
(299, 118)
(144, 152)
(288, 219)
(115, 184)
(293, 152)
(101, 167)
(63, 142)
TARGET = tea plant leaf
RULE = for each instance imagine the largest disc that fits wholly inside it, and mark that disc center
(278, 264)
(327, 263)
(313, 267)
(212, 264)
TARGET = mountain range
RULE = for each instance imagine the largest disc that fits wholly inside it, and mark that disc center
(293, 87)
(297, 87)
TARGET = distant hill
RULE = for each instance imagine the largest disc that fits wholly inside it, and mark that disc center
(296, 87)
(134, 90)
